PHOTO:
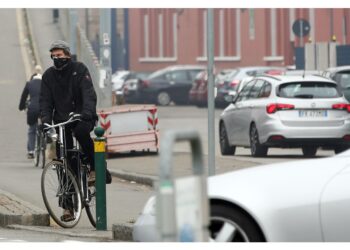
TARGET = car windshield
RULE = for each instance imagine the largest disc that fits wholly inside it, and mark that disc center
(142, 75)
(308, 90)
(230, 75)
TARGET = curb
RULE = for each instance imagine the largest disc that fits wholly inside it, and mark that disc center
(122, 232)
(102, 235)
(138, 178)
(13, 210)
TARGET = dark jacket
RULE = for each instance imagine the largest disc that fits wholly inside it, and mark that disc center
(32, 88)
(65, 91)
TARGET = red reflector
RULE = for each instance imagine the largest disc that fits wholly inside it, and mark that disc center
(342, 106)
(272, 108)
(346, 138)
(276, 137)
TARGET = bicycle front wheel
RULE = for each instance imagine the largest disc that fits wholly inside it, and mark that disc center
(60, 192)
(90, 205)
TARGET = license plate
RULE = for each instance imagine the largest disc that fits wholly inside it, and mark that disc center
(312, 113)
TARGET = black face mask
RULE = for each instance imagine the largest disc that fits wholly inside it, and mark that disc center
(60, 62)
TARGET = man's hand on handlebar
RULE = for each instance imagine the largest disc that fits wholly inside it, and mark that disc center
(74, 116)
(43, 127)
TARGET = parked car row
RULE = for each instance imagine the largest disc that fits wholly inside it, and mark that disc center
(188, 84)
(181, 84)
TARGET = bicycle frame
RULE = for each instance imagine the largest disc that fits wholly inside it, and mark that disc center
(76, 174)
(81, 169)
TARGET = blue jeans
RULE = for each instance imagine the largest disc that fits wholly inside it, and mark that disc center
(31, 137)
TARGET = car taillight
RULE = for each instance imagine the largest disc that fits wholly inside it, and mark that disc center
(144, 83)
(234, 83)
(346, 137)
(274, 107)
(342, 106)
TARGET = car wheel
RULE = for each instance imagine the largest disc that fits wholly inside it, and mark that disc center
(256, 149)
(163, 98)
(225, 147)
(340, 149)
(309, 151)
(230, 224)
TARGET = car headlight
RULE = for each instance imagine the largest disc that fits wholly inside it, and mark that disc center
(150, 207)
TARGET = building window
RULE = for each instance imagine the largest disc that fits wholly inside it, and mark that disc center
(227, 34)
(159, 36)
(273, 51)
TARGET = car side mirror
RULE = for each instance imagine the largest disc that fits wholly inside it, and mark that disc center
(231, 97)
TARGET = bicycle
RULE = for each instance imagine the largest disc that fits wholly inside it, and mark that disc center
(40, 148)
(63, 187)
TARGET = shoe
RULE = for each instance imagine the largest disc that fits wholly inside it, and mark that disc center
(92, 178)
(30, 155)
(68, 215)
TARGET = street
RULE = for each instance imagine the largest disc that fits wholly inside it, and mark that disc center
(125, 199)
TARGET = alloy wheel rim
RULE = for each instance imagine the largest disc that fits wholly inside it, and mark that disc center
(163, 98)
(225, 230)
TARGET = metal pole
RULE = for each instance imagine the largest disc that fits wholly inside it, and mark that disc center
(126, 39)
(73, 36)
(105, 55)
(171, 226)
(331, 23)
(211, 101)
(100, 169)
(300, 33)
(114, 40)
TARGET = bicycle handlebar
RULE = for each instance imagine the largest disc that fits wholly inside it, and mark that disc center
(73, 118)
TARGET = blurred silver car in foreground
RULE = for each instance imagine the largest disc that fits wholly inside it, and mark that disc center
(298, 201)
(288, 112)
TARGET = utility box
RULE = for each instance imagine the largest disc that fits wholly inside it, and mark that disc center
(130, 128)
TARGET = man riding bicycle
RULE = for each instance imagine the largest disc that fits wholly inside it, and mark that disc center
(67, 87)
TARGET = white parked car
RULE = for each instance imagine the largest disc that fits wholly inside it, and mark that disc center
(299, 201)
(118, 78)
(304, 112)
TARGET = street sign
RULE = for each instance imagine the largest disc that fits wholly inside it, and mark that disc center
(106, 40)
(301, 27)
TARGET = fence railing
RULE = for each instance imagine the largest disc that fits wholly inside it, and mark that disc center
(85, 54)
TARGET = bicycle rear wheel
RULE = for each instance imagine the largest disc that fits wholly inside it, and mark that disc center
(90, 205)
(60, 191)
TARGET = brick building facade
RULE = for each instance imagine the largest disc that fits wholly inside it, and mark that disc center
(242, 37)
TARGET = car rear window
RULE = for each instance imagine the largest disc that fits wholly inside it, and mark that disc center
(308, 90)
(343, 78)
